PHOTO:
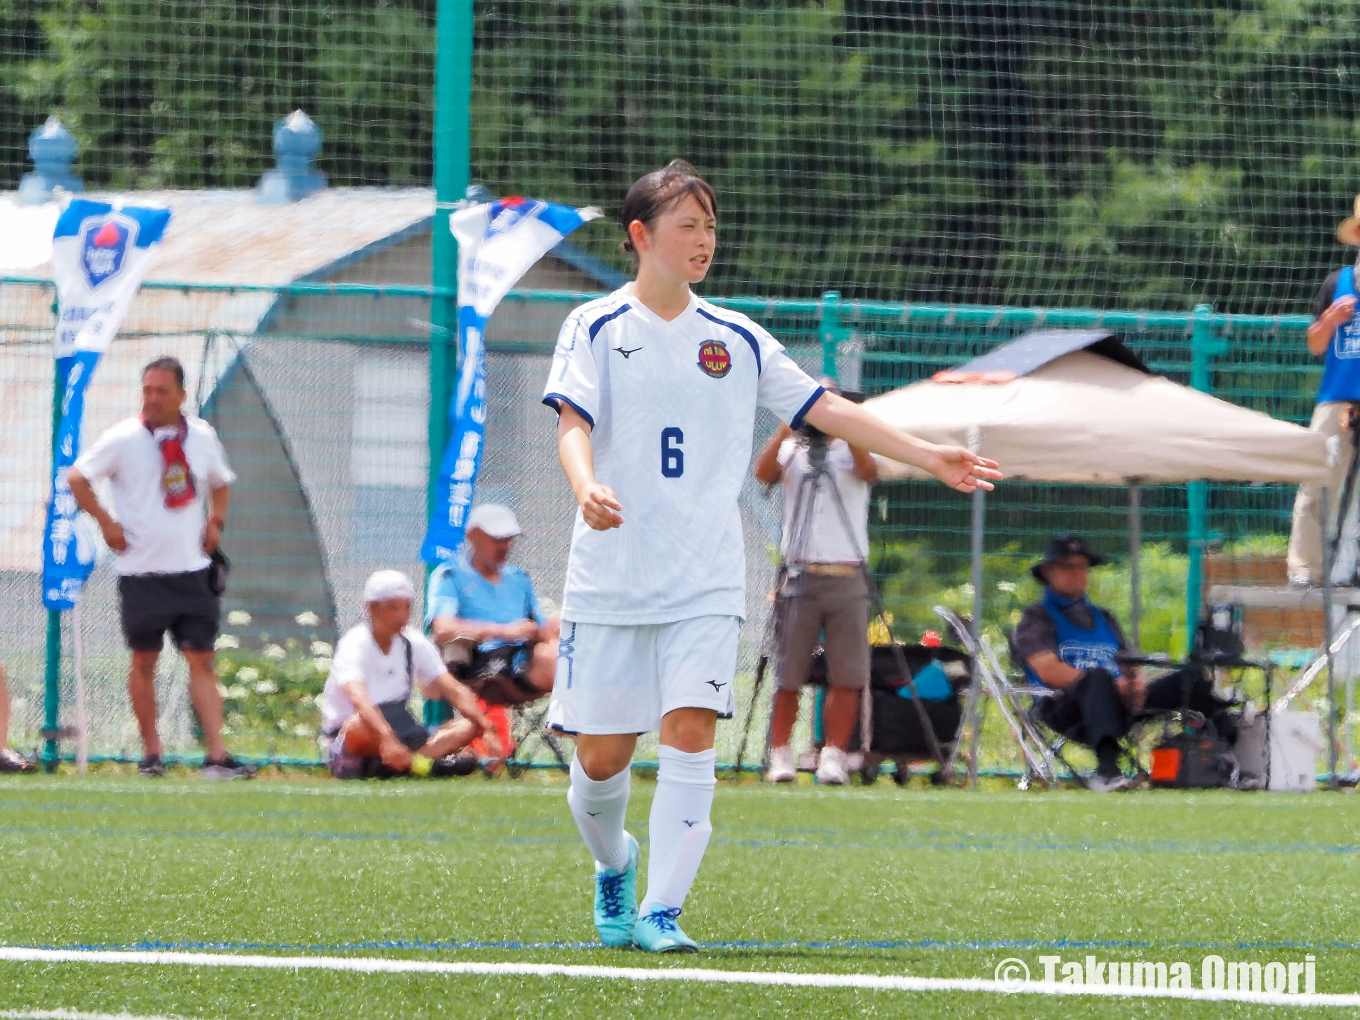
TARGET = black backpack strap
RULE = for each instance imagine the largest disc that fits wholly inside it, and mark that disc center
(410, 666)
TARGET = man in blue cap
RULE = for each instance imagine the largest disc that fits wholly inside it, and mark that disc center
(1068, 644)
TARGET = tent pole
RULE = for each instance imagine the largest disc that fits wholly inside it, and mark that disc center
(1135, 574)
(979, 505)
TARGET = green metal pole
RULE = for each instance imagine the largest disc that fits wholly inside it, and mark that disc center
(833, 331)
(52, 686)
(452, 158)
(1203, 347)
(452, 161)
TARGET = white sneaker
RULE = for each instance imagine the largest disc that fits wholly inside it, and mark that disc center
(831, 768)
(1108, 784)
(781, 768)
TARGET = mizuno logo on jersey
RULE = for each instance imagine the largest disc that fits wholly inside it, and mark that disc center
(716, 685)
(714, 358)
(627, 353)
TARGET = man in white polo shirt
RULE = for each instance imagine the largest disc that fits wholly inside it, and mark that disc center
(825, 593)
(162, 467)
(366, 722)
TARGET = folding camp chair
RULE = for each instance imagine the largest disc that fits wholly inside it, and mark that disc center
(1020, 704)
(1015, 703)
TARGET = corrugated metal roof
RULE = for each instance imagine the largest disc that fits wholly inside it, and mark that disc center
(229, 237)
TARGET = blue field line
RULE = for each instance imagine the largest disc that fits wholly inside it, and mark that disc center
(889, 841)
(455, 945)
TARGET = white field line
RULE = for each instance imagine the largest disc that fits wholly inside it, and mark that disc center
(903, 983)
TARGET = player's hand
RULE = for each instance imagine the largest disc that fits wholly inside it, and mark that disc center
(491, 742)
(394, 754)
(1132, 691)
(1339, 311)
(212, 537)
(521, 632)
(599, 507)
(114, 536)
(963, 470)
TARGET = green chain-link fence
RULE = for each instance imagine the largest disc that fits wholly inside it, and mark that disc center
(1058, 153)
(323, 410)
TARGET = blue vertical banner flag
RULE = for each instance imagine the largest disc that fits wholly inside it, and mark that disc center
(497, 243)
(100, 253)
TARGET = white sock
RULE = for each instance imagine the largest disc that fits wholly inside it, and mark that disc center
(599, 807)
(680, 826)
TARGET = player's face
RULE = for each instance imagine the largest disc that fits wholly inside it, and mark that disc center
(1068, 577)
(162, 396)
(390, 615)
(680, 241)
(487, 551)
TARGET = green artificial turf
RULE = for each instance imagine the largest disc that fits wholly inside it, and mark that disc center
(928, 883)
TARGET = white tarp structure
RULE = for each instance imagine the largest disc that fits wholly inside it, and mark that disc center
(1086, 418)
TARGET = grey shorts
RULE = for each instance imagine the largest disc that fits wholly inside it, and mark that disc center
(813, 605)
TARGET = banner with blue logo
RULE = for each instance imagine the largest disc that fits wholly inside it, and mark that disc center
(497, 243)
(99, 255)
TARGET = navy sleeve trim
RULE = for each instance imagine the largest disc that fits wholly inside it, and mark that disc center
(807, 406)
(741, 331)
(552, 399)
(598, 324)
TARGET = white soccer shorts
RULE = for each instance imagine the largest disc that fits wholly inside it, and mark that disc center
(623, 679)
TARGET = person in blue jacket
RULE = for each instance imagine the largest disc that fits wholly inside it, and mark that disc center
(1067, 643)
(1333, 336)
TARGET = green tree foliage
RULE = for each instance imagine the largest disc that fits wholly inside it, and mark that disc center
(1147, 153)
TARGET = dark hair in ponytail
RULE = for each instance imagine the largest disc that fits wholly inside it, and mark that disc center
(654, 193)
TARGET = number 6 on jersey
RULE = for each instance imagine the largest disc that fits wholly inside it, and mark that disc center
(672, 457)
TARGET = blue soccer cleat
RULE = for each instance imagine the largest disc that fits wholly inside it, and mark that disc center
(616, 900)
(657, 932)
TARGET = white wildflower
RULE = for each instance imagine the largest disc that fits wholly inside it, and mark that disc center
(275, 652)
(221, 691)
(238, 618)
(247, 674)
(307, 619)
(226, 641)
(322, 663)
(266, 687)
(322, 648)
(236, 692)
(1006, 586)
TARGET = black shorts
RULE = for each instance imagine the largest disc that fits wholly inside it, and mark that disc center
(151, 604)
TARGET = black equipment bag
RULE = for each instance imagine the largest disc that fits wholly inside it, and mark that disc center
(896, 723)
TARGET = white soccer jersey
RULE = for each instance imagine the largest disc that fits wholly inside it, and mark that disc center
(672, 407)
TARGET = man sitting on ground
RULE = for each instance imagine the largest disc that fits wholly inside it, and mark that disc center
(10, 761)
(366, 724)
(1066, 643)
(485, 617)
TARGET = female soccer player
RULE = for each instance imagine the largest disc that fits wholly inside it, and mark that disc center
(656, 392)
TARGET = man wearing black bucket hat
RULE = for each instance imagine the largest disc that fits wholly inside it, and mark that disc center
(1066, 643)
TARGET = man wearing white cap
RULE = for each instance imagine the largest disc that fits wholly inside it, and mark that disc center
(365, 717)
(482, 598)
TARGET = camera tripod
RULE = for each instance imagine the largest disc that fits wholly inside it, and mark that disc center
(1352, 424)
(788, 581)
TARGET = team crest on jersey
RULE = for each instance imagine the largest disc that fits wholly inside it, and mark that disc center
(714, 358)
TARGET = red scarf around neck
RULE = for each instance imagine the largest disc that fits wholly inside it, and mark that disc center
(177, 481)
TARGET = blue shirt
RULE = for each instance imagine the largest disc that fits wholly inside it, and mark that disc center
(456, 589)
(1341, 362)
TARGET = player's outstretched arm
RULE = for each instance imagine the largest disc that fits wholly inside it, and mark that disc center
(956, 467)
(598, 503)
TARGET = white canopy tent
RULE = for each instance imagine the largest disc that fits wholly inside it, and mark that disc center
(1080, 407)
